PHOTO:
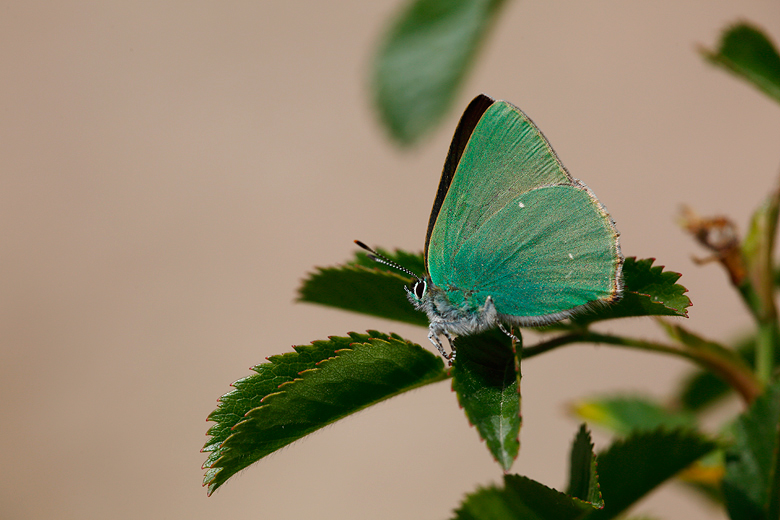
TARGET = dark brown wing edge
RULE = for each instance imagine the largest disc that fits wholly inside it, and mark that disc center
(468, 121)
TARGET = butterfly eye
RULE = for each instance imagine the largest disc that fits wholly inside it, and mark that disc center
(419, 289)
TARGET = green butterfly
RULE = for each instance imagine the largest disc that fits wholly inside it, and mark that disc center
(513, 239)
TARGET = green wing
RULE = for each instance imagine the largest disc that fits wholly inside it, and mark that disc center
(514, 225)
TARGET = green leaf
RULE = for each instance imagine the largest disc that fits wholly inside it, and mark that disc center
(625, 415)
(746, 52)
(368, 287)
(424, 59)
(487, 384)
(633, 467)
(249, 392)
(583, 478)
(648, 291)
(520, 498)
(298, 393)
(751, 485)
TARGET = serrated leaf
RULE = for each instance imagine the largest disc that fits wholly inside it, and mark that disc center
(625, 415)
(487, 383)
(751, 485)
(745, 51)
(360, 371)
(583, 477)
(423, 60)
(249, 392)
(367, 287)
(633, 467)
(648, 291)
(520, 498)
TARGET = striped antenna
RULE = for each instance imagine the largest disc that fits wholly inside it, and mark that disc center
(376, 257)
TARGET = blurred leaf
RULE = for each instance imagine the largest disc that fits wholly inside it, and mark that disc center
(746, 52)
(424, 59)
(487, 384)
(334, 378)
(705, 476)
(751, 485)
(368, 287)
(583, 478)
(648, 291)
(520, 498)
(626, 415)
(633, 467)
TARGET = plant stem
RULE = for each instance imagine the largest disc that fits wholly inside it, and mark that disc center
(743, 381)
(768, 336)
(766, 340)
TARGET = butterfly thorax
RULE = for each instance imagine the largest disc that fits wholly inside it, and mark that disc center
(454, 311)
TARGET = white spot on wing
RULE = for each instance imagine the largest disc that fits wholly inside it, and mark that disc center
(571, 256)
(521, 204)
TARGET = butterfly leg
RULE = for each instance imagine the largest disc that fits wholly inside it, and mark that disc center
(508, 333)
(451, 357)
(434, 338)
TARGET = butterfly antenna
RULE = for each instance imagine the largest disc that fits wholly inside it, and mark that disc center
(376, 257)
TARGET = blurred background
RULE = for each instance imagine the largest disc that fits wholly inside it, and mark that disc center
(169, 171)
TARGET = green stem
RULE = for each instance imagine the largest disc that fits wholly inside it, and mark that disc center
(743, 381)
(768, 337)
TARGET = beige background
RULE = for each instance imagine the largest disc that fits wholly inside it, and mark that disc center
(169, 172)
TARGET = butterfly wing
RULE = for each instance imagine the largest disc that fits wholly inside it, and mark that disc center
(468, 121)
(514, 225)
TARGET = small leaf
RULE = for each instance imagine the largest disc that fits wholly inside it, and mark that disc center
(633, 467)
(751, 485)
(648, 291)
(625, 415)
(367, 287)
(424, 59)
(583, 478)
(520, 498)
(488, 388)
(350, 374)
(748, 53)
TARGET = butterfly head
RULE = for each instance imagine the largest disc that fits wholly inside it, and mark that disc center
(417, 290)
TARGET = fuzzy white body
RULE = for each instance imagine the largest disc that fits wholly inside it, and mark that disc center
(446, 319)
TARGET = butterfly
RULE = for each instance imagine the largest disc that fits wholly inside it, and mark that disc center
(513, 239)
